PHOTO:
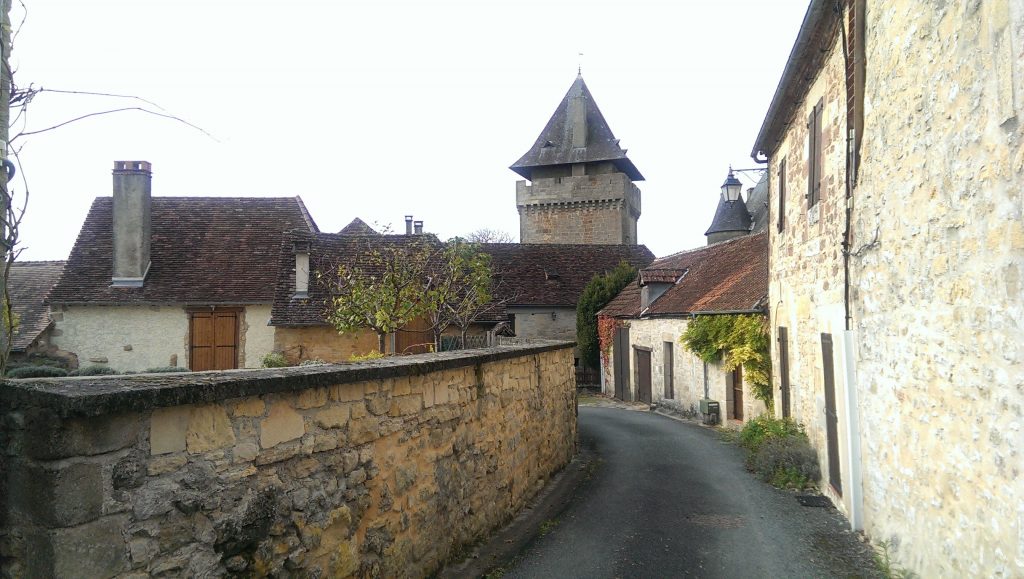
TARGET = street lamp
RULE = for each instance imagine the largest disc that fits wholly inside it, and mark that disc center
(732, 187)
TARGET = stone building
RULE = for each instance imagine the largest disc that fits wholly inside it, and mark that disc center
(646, 360)
(581, 183)
(896, 160)
(172, 281)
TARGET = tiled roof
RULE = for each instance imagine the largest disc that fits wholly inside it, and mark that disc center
(731, 276)
(358, 227)
(538, 274)
(203, 250)
(730, 216)
(525, 274)
(28, 284)
(327, 251)
(554, 146)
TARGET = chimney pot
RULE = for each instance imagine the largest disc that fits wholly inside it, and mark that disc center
(131, 222)
(418, 227)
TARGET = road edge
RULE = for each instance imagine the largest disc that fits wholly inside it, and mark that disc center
(503, 545)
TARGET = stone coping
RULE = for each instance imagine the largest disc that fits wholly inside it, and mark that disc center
(99, 395)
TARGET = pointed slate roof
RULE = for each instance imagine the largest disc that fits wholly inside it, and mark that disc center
(730, 216)
(555, 144)
(358, 227)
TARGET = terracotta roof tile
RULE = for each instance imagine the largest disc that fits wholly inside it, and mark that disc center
(204, 250)
(28, 284)
(730, 276)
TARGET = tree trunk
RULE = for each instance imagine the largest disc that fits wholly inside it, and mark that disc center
(380, 342)
(6, 79)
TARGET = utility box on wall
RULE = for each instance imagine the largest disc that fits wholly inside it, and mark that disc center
(710, 410)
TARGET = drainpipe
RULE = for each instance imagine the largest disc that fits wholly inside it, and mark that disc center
(850, 335)
(853, 428)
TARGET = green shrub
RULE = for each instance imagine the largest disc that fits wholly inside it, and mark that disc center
(37, 372)
(600, 290)
(787, 462)
(94, 370)
(757, 430)
(312, 362)
(165, 370)
(371, 355)
(275, 360)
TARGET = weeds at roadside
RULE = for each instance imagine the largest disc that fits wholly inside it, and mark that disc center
(547, 526)
(885, 563)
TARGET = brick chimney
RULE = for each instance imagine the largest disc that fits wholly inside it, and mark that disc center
(132, 228)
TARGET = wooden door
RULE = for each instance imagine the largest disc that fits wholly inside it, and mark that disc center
(415, 338)
(784, 370)
(620, 355)
(831, 416)
(213, 340)
(643, 375)
(669, 371)
(737, 393)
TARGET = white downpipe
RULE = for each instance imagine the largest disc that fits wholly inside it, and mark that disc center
(853, 432)
(600, 367)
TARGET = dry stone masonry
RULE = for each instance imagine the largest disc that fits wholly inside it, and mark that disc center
(384, 469)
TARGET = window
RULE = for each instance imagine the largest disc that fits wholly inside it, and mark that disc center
(814, 145)
(782, 194)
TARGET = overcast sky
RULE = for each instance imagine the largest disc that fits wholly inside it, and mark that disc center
(383, 108)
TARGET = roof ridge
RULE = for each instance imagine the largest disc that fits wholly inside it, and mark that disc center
(717, 244)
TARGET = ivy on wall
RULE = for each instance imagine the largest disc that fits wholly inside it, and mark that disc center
(735, 339)
(605, 335)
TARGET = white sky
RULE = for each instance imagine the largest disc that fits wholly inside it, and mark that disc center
(383, 108)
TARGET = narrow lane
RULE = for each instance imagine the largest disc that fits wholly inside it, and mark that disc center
(670, 499)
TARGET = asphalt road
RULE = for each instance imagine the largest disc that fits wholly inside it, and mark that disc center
(670, 499)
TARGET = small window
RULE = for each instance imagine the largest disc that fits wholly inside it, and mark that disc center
(782, 194)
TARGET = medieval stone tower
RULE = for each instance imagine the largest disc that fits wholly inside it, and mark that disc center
(581, 182)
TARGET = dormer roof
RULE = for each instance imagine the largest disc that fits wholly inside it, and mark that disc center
(576, 133)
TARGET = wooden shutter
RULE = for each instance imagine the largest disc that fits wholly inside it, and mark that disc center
(831, 415)
(213, 339)
(817, 150)
(811, 146)
(782, 194)
(669, 371)
(784, 370)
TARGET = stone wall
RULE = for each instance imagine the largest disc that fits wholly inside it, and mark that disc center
(806, 265)
(688, 371)
(383, 469)
(591, 209)
(133, 338)
(322, 342)
(938, 257)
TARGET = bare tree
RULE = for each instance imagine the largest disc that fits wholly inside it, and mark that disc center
(488, 235)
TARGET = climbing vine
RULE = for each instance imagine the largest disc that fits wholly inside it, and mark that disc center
(740, 339)
(605, 335)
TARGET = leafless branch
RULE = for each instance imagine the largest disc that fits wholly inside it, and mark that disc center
(111, 111)
(102, 94)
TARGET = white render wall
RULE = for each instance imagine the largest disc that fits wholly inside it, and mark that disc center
(133, 338)
(688, 370)
(256, 336)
